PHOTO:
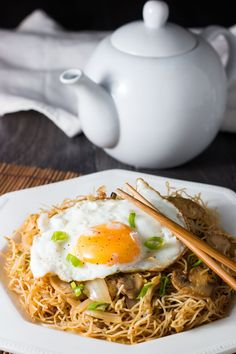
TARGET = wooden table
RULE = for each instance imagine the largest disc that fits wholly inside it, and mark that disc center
(29, 138)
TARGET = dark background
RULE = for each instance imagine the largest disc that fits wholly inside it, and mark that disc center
(109, 14)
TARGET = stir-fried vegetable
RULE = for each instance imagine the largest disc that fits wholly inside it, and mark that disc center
(193, 261)
(98, 306)
(197, 263)
(59, 236)
(164, 283)
(76, 262)
(78, 289)
(81, 307)
(97, 290)
(61, 286)
(144, 290)
(105, 316)
(131, 220)
(154, 243)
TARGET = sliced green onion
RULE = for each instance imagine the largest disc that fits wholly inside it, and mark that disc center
(73, 285)
(78, 289)
(191, 260)
(154, 243)
(144, 290)
(76, 262)
(164, 282)
(97, 306)
(59, 236)
(131, 219)
(196, 264)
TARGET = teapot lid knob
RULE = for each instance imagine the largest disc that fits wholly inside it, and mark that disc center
(155, 13)
(153, 37)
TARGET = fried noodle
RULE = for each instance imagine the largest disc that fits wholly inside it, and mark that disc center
(50, 301)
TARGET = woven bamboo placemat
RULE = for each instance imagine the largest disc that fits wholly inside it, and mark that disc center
(14, 177)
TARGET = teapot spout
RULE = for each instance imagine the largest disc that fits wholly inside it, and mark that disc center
(96, 108)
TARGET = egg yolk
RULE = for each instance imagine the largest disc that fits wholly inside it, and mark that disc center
(111, 243)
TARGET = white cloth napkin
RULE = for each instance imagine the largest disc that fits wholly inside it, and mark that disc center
(33, 56)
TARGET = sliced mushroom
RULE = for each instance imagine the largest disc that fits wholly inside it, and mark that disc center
(151, 291)
(223, 243)
(219, 241)
(130, 302)
(130, 284)
(112, 286)
(188, 207)
(197, 283)
(203, 281)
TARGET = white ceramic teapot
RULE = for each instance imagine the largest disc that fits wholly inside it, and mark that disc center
(153, 94)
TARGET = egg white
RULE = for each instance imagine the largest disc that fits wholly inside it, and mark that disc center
(50, 257)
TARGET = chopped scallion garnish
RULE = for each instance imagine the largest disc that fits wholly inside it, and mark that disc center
(78, 289)
(197, 263)
(59, 236)
(193, 261)
(76, 262)
(154, 243)
(164, 283)
(131, 219)
(73, 285)
(144, 290)
(97, 306)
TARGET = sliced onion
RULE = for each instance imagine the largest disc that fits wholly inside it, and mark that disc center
(74, 303)
(98, 290)
(105, 316)
(83, 305)
(62, 287)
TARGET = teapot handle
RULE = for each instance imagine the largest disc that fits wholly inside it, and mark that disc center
(210, 33)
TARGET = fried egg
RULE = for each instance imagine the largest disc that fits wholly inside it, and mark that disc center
(96, 238)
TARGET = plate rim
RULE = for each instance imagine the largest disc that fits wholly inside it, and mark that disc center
(229, 191)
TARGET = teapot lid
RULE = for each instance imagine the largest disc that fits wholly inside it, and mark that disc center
(153, 37)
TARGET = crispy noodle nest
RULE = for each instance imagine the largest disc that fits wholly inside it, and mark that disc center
(52, 302)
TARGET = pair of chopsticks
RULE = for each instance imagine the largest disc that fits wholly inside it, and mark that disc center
(204, 251)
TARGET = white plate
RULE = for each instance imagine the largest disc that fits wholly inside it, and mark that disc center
(21, 336)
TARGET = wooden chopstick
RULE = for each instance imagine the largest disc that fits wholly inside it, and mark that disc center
(183, 233)
(178, 232)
